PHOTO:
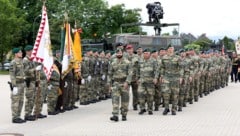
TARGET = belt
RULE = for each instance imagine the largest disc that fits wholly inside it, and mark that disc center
(120, 80)
(19, 81)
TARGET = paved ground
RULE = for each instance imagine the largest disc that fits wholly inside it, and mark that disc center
(218, 114)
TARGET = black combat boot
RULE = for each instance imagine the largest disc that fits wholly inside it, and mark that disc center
(165, 112)
(142, 111)
(18, 120)
(150, 112)
(174, 113)
(135, 107)
(196, 99)
(114, 118)
(40, 116)
(179, 108)
(124, 118)
(30, 118)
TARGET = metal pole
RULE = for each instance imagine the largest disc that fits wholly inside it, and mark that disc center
(33, 31)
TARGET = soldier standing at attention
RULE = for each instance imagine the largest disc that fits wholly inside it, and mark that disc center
(171, 77)
(29, 70)
(120, 73)
(53, 88)
(133, 58)
(148, 73)
(16, 72)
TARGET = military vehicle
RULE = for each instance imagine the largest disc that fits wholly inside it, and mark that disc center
(155, 11)
(145, 41)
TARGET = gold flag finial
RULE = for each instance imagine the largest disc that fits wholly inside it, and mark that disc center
(66, 16)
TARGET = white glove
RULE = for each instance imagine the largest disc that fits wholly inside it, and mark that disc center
(66, 84)
(103, 77)
(39, 67)
(89, 78)
(49, 87)
(82, 81)
(15, 91)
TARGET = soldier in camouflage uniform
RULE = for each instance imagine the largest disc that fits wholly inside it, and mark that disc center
(171, 76)
(16, 72)
(43, 93)
(148, 73)
(184, 87)
(68, 91)
(158, 94)
(91, 67)
(133, 58)
(85, 86)
(103, 76)
(120, 74)
(53, 88)
(29, 70)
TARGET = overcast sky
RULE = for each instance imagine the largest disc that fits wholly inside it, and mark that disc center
(216, 18)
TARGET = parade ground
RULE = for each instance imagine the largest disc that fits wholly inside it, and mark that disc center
(217, 114)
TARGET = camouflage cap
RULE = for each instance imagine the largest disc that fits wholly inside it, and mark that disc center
(147, 50)
(169, 45)
(181, 50)
(28, 48)
(139, 47)
(161, 49)
(153, 51)
(94, 50)
(118, 50)
(16, 50)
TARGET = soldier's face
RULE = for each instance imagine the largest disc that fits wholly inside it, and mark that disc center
(170, 49)
(154, 54)
(29, 53)
(146, 55)
(19, 54)
(119, 54)
(130, 50)
(139, 51)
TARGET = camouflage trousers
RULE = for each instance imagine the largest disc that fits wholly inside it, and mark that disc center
(134, 86)
(52, 98)
(196, 87)
(67, 94)
(76, 88)
(120, 98)
(146, 91)
(170, 90)
(40, 97)
(183, 92)
(93, 90)
(84, 91)
(103, 90)
(30, 98)
(17, 101)
(157, 95)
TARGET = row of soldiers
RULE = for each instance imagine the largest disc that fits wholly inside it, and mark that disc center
(29, 84)
(164, 77)
(155, 78)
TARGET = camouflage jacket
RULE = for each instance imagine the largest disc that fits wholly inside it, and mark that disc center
(29, 68)
(120, 71)
(148, 70)
(171, 67)
(16, 71)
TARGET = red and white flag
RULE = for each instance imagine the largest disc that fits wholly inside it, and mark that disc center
(42, 51)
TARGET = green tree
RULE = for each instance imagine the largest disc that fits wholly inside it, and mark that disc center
(11, 21)
(193, 46)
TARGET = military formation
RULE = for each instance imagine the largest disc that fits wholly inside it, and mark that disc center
(157, 78)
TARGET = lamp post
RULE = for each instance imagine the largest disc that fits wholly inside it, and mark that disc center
(33, 31)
